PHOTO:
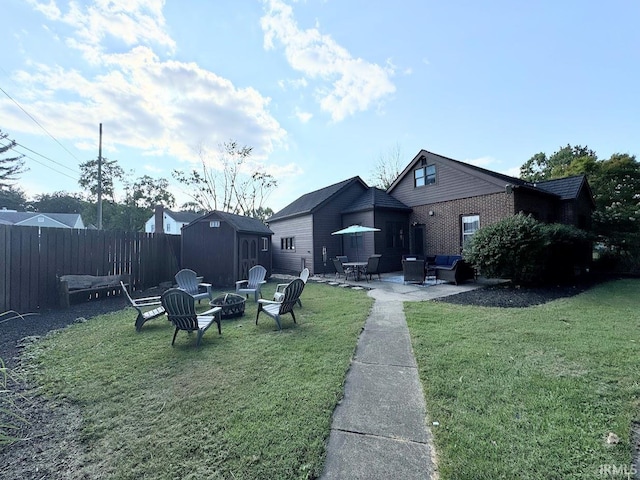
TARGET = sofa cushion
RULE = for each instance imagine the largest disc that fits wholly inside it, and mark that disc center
(442, 260)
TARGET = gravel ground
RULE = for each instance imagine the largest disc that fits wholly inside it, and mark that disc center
(52, 449)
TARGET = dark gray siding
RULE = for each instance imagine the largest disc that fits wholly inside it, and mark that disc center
(391, 260)
(210, 252)
(301, 229)
(368, 241)
(452, 182)
(328, 219)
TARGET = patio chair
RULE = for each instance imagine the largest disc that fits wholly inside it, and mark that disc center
(257, 273)
(340, 270)
(279, 293)
(277, 309)
(187, 280)
(373, 266)
(141, 305)
(181, 310)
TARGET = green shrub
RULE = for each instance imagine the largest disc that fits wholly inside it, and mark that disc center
(527, 251)
(511, 248)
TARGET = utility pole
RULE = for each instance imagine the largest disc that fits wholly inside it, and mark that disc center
(100, 181)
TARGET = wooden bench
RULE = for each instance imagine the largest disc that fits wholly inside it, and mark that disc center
(89, 287)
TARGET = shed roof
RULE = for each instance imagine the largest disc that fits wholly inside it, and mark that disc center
(310, 202)
(240, 223)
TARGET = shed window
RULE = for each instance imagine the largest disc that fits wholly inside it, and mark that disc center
(214, 224)
(424, 176)
(287, 243)
(265, 244)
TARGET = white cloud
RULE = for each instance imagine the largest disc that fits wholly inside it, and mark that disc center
(304, 117)
(154, 105)
(355, 85)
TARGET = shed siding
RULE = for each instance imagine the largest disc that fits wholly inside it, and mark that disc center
(210, 252)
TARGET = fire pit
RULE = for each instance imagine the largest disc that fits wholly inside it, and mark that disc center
(232, 304)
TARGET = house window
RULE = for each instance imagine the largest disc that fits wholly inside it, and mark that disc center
(167, 227)
(470, 225)
(265, 244)
(287, 243)
(424, 175)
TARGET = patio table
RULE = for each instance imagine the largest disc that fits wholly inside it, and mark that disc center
(358, 266)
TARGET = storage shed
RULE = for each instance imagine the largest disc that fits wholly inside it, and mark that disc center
(222, 247)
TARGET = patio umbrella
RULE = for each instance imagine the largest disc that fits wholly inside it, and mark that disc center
(354, 230)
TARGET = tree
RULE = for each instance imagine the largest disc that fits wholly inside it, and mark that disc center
(12, 198)
(59, 202)
(615, 184)
(141, 196)
(10, 167)
(387, 168)
(540, 167)
(111, 171)
(233, 186)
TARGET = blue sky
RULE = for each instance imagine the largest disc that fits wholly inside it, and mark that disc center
(321, 89)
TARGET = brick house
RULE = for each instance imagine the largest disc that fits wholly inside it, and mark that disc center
(434, 205)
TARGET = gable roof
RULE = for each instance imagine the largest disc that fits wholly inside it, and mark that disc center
(376, 198)
(184, 217)
(566, 188)
(310, 202)
(500, 177)
(240, 223)
(69, 220)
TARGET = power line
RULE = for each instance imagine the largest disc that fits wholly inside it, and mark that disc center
(45, 165)
(50, 168)
(47, 158)
(37, 123)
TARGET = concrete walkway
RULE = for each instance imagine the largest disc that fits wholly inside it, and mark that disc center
(379, 429)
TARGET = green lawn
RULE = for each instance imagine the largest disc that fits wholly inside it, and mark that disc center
(253, 403)
(531, 393)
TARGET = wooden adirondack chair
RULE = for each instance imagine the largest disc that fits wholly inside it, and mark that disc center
(181, 310)
(277, 309)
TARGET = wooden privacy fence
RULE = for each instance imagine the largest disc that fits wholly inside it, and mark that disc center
(31, 259)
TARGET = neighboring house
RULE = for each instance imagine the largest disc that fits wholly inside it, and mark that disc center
(169, 222)
(222, 247)
(433, 207)
(38, 219)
